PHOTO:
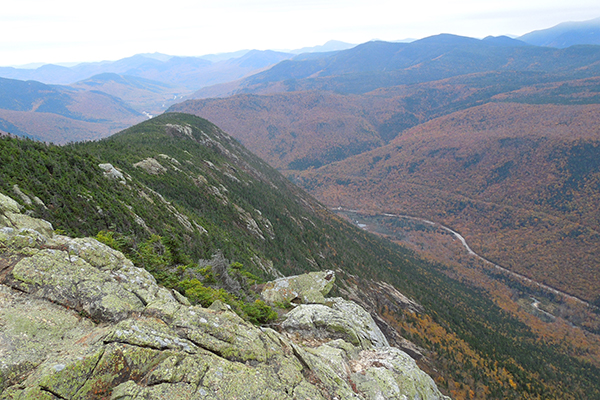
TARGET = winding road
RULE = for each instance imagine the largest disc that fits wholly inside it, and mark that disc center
(471, 252)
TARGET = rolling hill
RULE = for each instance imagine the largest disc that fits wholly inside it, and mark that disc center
(59, 113)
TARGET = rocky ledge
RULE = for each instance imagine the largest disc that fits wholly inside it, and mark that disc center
(79, 321)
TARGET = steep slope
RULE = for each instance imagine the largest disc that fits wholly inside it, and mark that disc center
(182, 190)
(520, 182)
(290, 130)
(209, 177)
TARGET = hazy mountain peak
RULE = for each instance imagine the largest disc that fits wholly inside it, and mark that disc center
(157, 56)
(331, 45)
(566, 34)
(503, 41)
(224, 56)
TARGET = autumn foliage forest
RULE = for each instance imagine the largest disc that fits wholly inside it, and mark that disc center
(523, 193)
(507, 159)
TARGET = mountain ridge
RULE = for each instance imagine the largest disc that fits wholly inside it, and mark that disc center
(566, 34)
(132, 320)
(30, 108)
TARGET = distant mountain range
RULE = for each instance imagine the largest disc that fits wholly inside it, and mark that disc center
(98, 99)
(186, 72)
(147, 84)
(189, 72)
(377, 64)
(332, 45)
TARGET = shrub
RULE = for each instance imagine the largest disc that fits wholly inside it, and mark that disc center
(197, 293)
(259, 312)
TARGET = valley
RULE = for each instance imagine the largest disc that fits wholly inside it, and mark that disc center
(431, 239)
(452, 185)
(508, 158)
(500, 185)
(464, 243)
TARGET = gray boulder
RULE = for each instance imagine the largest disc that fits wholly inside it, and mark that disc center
(307, 288)
(340, 319)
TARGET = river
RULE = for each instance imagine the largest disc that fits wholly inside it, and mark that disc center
(471, 252)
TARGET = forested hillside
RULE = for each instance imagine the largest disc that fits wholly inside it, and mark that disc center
(301, 130)
(61, 113)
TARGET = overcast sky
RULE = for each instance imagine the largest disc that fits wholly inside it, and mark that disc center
(55, 31)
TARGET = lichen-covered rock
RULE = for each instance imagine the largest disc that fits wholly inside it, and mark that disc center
(8, 204)
(33, 330)
(382, 373)
(21, 222)
(341, 319)
(307, 288)
(223, 333)
(13, 223)
(366, 328)
(80, 321)
(389, 373)
(70, 281)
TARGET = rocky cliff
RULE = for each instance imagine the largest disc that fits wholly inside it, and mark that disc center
(79, 321)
